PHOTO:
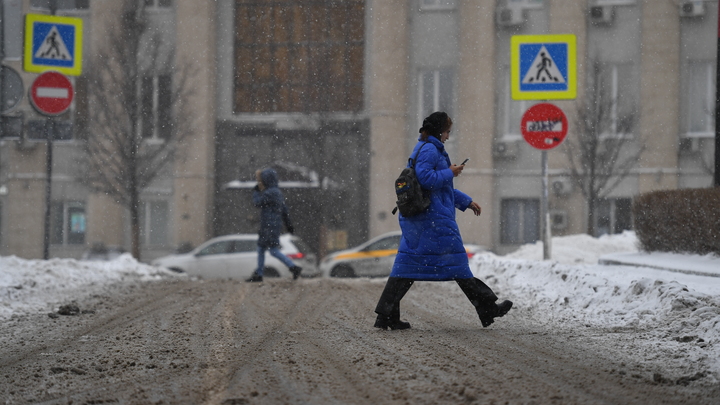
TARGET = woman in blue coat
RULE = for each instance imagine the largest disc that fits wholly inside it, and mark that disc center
(431, 248)
(273, 214)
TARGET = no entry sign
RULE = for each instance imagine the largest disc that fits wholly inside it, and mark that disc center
(51, 93)
(544, 126)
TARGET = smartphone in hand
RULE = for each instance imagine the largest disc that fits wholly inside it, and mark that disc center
(464, 161)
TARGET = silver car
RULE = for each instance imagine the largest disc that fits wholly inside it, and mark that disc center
(235, 256)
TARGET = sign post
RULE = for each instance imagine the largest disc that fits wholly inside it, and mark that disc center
(51, 94)
(543, 67)
(544, 126)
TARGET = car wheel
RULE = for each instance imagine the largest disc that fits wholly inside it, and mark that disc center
(270, 272)
(342, 271)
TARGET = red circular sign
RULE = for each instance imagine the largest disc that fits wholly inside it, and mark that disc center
(51, 93)
(544, 126)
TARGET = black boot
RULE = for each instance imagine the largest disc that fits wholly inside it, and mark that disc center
(483, 299)
(255, 278)
(295, 270)
(388, 307)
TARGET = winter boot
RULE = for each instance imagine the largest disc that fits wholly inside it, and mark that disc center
(255, 278)
(483, 299)
(388, 307)
(295, 270)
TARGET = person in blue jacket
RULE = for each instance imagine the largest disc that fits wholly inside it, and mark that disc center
(431, 248)
(273, 214)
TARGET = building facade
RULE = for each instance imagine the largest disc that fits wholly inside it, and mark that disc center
(331, 94)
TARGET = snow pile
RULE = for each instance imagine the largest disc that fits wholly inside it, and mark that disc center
(579, 248)
(30, 286)
(671, 307)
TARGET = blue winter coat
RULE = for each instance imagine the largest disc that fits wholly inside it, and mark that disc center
(431, 247)
(272, 210)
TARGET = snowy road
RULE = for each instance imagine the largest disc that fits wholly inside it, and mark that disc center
(312, 341)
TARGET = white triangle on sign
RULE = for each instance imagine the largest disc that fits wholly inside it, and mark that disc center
(543, 70)
(53, 47)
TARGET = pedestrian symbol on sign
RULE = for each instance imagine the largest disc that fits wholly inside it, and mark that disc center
(543, 69)
(53, 47)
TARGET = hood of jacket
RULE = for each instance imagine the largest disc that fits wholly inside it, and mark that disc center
(269, 178)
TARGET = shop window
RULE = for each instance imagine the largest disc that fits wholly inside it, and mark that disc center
(68, 223)
(520, 221)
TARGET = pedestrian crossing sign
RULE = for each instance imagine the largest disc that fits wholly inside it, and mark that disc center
(53, 43)
(543, 67)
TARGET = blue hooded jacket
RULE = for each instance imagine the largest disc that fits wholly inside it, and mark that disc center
(431, 247)
(273, 211)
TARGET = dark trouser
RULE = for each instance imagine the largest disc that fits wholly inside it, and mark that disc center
(479, 294)
(395, 290)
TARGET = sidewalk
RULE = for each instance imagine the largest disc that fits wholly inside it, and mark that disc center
(708, 265)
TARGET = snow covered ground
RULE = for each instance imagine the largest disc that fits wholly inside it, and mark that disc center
(679, 311)
(675, 308)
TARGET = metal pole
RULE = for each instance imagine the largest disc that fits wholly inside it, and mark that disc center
(49, 132)
(717, 109)
(546, 234)
(49, 129)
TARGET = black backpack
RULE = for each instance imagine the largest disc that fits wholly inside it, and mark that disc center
(411, 200)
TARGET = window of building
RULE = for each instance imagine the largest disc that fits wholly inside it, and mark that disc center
(61, 4)
(154, 217)
(435, 88)
(62, 130)
(700, 99)
(155, 106)
(437, 4)
(158, 3)
(520, 221)
(11, 16)
(68, 223)
(295, 56)
(616, 93)
(614, 215)
(11, 126)
(512, 111)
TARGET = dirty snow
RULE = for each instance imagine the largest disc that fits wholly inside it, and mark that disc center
(572, 288)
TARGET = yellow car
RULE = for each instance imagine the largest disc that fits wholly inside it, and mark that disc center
(373, 258)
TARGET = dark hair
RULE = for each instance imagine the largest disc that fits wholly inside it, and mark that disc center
(435, 124)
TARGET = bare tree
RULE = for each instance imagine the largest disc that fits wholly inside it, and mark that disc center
(121, 160)
(604, 152)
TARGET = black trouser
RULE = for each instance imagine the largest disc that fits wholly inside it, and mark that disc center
(479, 294)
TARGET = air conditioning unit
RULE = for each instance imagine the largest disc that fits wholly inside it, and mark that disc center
(506, 149)
(689, 146)
(510, 16)
(602, 15)
(561, 185)
(558, 219)
(692, 9)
